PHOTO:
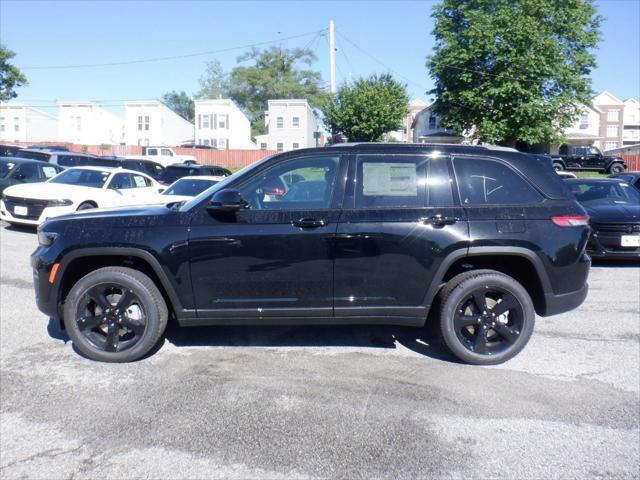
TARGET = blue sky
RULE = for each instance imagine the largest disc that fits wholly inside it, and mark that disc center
(394, 34)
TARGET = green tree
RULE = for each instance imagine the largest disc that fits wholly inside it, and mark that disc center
(214, 83)
(513, 69)
(367, 109)
(180, 103)
(10, 76)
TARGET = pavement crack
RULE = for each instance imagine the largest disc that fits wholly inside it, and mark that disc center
(50, 453)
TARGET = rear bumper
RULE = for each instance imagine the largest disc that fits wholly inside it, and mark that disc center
(560, 303)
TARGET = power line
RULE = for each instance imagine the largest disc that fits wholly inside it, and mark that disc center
(173, 57)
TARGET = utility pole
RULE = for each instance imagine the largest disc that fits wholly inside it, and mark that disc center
(332, 57)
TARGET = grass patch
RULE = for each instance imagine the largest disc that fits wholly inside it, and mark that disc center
(591, 175)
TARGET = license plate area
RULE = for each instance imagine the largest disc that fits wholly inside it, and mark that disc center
(20, 210)
(630, 241)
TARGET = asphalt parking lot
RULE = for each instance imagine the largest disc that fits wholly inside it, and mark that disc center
(318, 402)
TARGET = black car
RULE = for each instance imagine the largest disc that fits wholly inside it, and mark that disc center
(573, 157)
(613, 206)
(9, 150)
(48, 147)
(179, 170)
(630, 177)
(64, 158)
(362, 234)
(19, 170)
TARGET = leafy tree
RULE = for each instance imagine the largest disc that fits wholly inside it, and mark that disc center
(513, 69)
(10, 76)
(180, 103)
(368, 109)
(214, 83)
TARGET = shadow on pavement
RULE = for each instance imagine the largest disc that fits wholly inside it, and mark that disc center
(17, 228)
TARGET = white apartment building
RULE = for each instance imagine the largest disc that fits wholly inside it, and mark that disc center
(21, 123)
(87, 123)
(151, 122)
(584, 131)
(427, 128)
(631, 128)
(221, 124)
(291, 124)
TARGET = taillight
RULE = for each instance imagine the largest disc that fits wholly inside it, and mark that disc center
(570, 220)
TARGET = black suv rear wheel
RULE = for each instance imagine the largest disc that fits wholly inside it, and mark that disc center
(486, 317)
(115, 314)
(616, 168)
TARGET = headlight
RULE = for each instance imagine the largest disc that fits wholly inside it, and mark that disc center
(46, 238)
(59, 203)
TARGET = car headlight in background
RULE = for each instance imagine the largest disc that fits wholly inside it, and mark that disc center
(46, 238)
(59, 203)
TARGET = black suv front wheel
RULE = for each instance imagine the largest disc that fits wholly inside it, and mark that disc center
(486, 317)
(115, 314)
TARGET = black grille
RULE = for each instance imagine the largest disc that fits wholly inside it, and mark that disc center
(620, 228)
(34, 207)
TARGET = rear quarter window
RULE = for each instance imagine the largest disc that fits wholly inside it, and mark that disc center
(489, 182)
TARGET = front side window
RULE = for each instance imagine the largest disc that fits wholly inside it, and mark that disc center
(27, 172)
(390, 181)
(140, 182)
(488, 182)
(121, 181)
(301, 183)
(167, 152)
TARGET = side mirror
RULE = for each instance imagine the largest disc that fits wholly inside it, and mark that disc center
(226, 201)
(160, 190)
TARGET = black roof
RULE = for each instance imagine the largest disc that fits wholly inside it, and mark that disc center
(18, 160)
(594, 180)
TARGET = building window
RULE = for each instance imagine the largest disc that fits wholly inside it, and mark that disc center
(295, 145)
(584, 121)
(146, 123)
(143, 122)
(432, 122)
(610, 145)
(263, 146)
(1, 124)
(139, 122)
(222, 143)
(205, 123)
(279, 122)
(206, 141)
(279, 146)
(613, 115)
(223, 121)
(295, 122)
(612, 130)
(214, 143)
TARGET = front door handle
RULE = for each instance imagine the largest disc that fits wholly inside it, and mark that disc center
(309, 223)
(439, 220)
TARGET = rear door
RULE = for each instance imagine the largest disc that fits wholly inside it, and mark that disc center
(401, 219)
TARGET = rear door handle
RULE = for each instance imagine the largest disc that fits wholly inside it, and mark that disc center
(439, 220)
(309, 223)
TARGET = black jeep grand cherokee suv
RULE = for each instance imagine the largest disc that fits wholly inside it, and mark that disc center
(360, 233)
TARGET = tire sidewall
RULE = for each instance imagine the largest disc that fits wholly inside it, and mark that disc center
(616, 168)
(151, 309)
(558, 167)
(498, 281)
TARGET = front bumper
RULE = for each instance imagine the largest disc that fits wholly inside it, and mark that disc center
(46, 292)
(10, 216)
(609, 245)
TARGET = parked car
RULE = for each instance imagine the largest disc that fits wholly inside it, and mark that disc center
(572, 157)
(150, 167)
(79, 188)
(48, 147)
(613, 206)
(492, 237)
(63, 158)
(18, 170)
(183, 189)
(9, 150)
(630, 177)
(179, 170)
(197, 145)
(163, 155)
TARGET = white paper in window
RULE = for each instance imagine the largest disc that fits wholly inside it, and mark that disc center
(139, 181)
(389, 179)
(49, 172)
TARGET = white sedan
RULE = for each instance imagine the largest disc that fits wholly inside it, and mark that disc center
(74, 189)
(184, 188)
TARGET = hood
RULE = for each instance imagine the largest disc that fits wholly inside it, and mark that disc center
(613, 213)
(46, 190)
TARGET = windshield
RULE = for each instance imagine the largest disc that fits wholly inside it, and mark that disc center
(5, 167)
(79, 177)
(601, 193)
(189, 187)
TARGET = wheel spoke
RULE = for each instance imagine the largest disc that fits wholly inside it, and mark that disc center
(125, 300)
(89, 322)
(480, 300)
(506, 332)
(112, 341)
(136, 326)
(506, 304)
(461, 320)
(97, 295)
(480, 340)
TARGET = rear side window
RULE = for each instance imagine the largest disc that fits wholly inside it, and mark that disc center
(439, 184)
(67, 160)
(487, 182)
(390, 181)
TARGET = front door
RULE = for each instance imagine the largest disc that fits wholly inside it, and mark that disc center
(274, 258)
(402, 221)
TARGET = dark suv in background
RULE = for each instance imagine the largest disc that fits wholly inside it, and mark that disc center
(354, 234)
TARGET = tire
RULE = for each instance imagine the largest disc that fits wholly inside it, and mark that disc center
(469, 327)
(616, 168)
(86, 206)
(558, 167)
(106, 330)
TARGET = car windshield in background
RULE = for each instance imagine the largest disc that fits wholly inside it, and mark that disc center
(84, 178)
(189, 187)
(5, 167)
(615, 193)
(33, 155)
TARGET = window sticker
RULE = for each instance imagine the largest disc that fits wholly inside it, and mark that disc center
(139, 181)
(389, 179)
(49, 172)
